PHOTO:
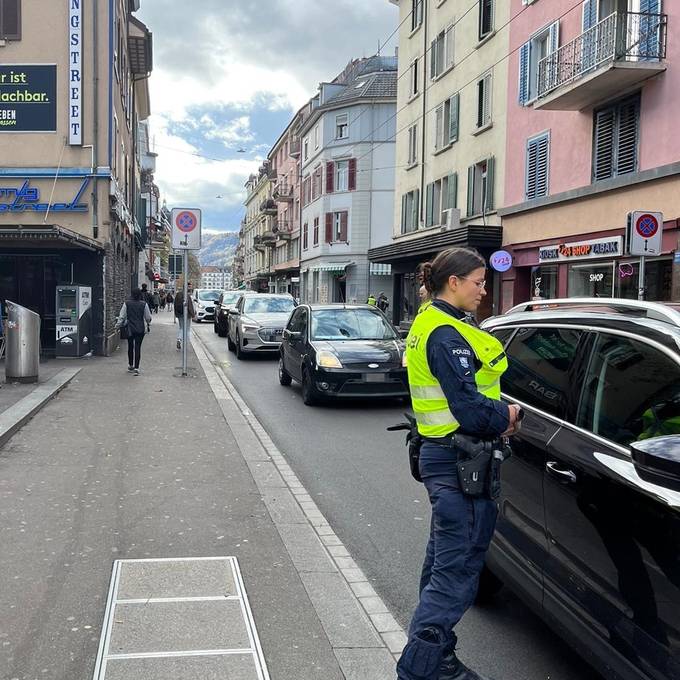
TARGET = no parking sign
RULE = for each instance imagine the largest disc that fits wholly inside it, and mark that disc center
(186, 229)
(645, 230)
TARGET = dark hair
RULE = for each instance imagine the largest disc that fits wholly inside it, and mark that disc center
(136, 294)
(450, 262)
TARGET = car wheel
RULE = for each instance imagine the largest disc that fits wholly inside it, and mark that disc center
(215, 328)
(284, 377)
(240, 354)
(489, 586)
(309, 394)
(222, 332)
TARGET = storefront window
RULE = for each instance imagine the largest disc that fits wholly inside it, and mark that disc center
(658, 279)
(591, 280)
(410, 300)
(544, 282)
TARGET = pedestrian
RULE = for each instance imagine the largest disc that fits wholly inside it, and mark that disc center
(371, 300)
(382, 302)
(146, 296)
(169, 300)
(454, 371)
(155, 301)
(179, 315)
(135, 315)
(163, 300)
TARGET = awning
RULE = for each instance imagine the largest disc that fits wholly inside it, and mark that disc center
(47, 236)
(381, 269)
(330, 266)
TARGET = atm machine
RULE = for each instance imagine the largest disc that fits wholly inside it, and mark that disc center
(73, 310)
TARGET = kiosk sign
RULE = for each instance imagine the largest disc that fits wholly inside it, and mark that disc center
(186, 229)
(645, 230)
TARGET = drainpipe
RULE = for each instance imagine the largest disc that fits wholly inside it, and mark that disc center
(95, 119)
(370, 212)
(424, 137)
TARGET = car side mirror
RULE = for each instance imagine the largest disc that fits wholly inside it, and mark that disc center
(293, 335)
(233, 310)
(657, 460)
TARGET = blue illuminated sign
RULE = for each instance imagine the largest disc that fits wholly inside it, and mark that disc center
(27, 199)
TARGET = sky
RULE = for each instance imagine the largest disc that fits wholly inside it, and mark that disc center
(228, 79)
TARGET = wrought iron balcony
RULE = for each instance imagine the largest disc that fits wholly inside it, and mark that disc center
(618, 53)
(283, 229)
(269, 207)
(283, 194)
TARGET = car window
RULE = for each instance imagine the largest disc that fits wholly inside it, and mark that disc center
(268, 305)
(631, 391)
(503, 334)
(350, 324)
(208, 295)
(297, 320)
(540, 362)
(230, 298)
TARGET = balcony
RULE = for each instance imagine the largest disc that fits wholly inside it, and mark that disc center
(615, 55)
(269, 207)
(283, 229)
(294, 148)
(283, 194)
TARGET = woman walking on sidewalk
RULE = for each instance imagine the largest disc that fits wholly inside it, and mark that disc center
(179, 315)
(135, 315)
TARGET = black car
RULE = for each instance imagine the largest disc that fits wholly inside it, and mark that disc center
(588, 529)
(342, 351)
(225, 302)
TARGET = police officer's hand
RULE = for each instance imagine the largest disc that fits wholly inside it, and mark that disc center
(513, 423)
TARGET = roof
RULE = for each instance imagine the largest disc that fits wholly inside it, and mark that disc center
(337, 305)
(371, 86)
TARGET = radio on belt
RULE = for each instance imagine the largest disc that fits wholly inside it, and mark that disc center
(73, 309)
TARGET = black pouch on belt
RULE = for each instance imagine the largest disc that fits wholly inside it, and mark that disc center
(474, 460)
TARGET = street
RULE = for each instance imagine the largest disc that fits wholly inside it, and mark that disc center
(358, 475)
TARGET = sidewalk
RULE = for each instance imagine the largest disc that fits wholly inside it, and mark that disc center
(120, 469)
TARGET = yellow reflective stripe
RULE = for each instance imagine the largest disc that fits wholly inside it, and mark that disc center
(427, 392)
(443, 417)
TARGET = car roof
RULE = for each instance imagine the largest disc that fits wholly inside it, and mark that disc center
(340, 305)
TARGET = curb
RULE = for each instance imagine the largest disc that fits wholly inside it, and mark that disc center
(16, 416)
(378, 618)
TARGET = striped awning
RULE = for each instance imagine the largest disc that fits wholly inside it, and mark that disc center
(331, 266)
(381, 269)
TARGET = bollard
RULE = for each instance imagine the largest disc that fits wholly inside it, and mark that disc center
(22, 348)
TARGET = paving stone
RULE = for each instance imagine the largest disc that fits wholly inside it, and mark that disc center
(232, 666)
(354, 663)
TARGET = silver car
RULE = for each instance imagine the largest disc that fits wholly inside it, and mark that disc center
(205, 300)
(256, 323)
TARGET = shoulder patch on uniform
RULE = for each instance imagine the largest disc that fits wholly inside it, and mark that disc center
(464, 362)
(461, 352)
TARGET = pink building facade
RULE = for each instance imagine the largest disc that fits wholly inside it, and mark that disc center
(593, 94)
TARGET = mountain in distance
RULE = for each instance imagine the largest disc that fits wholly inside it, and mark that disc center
(218, 249)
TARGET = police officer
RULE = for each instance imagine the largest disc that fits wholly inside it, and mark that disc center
(454, 369)
(371, 300)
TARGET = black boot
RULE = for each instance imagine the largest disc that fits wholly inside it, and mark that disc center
(452, 668)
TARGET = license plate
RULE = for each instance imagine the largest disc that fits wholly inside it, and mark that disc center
(375, 377)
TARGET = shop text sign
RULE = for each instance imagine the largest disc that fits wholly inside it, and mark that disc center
(28, 98)
(581, 250)
(75, 73)
(24, 198)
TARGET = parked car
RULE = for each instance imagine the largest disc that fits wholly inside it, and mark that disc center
(257, 321)
(337, 351)
(588, 531)
(204, 303)
(226, 300)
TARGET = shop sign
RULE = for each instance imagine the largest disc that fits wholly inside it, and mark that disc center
(582, 250)
(501, 261)
(75, 73)
(25, 198)
(28, 98)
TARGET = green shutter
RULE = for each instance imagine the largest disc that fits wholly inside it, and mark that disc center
(429, 206)
(454, 111)
(416, 209)
(452, 185)
(490, 181)
(403, 213)
(471, 190)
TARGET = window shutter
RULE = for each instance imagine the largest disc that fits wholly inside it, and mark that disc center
(454, 115)
(329, 227)
(429, 205)
(448, 40)
(352, 174)
(433, 59)
(452, 185)
(487, 100)
(531, 169)
(589, 14)
(490, 181)
(537, 167)
(343, 227)
(10, 19)
(523, 87)
(403, 213)
(554, 39)
(415, 216)
(438, 127)
(649, 29)
(627, 137)
(471, 190)
(603, 151)
(330, 173)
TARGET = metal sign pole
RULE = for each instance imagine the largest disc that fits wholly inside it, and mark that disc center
(641, 280)
(185, 309)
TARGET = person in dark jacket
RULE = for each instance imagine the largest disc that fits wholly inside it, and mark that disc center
(146, 296)
(136, 315)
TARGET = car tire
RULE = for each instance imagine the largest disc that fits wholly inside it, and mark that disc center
(309, 394)
(489, 586)
(230, 343)
(240, 354)
(215, 328)
(285, 378)
(222, 332)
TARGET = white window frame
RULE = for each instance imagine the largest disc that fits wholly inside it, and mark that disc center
(414, 85)
(337, 226)
(316, 136)
(341, 179)
(442, 57)
(484, 101)
(411, 213)
(491, 30)
(416, 14)
(340, 126)
(305, 148)
(412, 145)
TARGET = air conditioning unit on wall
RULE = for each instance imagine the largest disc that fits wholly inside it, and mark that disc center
(452, 219)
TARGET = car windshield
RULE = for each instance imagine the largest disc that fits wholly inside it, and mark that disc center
(208, 295)
(268, 305)
(230, 298)
(350, 324)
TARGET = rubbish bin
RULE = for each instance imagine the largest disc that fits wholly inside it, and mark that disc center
(22, 348)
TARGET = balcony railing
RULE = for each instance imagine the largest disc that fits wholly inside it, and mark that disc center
(294, 148)
(283, 229)
(269, 207)
(283, 194)
(628, 38)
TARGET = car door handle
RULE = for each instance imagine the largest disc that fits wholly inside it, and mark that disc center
(563, 475)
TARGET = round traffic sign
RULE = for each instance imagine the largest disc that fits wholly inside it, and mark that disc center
(646, 225)
(186, 221)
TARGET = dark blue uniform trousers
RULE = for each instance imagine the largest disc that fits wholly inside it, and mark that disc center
(460, 533)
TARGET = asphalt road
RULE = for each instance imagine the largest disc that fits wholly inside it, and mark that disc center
(358, 475)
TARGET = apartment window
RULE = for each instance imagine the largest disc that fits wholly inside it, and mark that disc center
(440, 196)
(416, 13)
(305, 148)
(305, 236)
(316, 231)
(480, 189)
(537, 166)
(306, 190)
(413, 145)
(316, 183)
(10, 19)
(316, 137)
(342, 126)
(484, 101)
(413, 79)
(542, 44)
(336, 227)
(441, 52)
(446, 117)
(410, 207)
(616, 138)
(342, 176)
(486, 12)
